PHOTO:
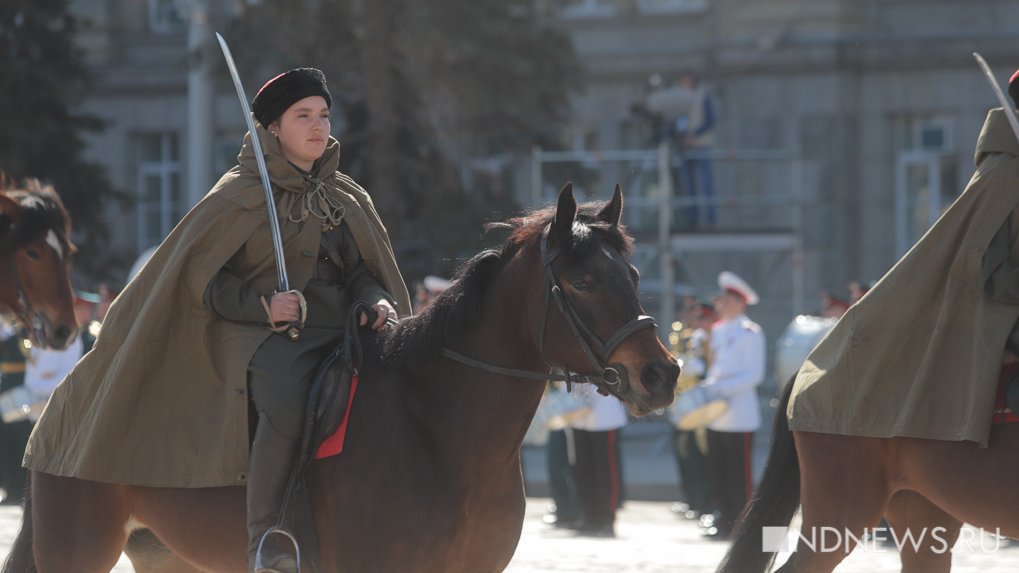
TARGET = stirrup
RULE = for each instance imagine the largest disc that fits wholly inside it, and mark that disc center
(260, 566)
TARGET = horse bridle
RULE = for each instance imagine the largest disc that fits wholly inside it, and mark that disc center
(25, 312)
(609, 378)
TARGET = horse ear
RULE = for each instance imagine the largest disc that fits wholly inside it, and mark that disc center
(565, 213)
(613, 209)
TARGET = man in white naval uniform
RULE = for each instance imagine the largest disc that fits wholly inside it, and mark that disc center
(737, 368)
(598, 467)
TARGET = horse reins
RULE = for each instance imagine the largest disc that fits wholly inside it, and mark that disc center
(609, 378)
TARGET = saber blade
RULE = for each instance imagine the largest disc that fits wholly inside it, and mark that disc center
(1009, 112)
(274, 223)
(256, 143)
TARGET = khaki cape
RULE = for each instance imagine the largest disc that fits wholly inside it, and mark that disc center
(919, 356)
(162, 399)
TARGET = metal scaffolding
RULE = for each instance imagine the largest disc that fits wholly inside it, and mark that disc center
(760, 200)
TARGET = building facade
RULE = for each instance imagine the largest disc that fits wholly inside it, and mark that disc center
(844, 126)
(875, 106)
(171, 130)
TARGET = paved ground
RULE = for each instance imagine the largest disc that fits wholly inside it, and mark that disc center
(650, 540)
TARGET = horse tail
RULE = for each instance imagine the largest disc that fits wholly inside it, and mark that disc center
(774, 503)
(21, 559)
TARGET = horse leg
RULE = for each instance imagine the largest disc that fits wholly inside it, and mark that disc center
(204, 527)
(148, 555)
(78, 525)
(923, 532)
(843, 491)
(974, 484)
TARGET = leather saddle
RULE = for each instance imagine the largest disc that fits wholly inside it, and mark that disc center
(330, 389)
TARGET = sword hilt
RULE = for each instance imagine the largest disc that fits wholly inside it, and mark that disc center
(294, 328)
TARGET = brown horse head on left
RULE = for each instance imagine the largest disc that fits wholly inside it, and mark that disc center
(35, 255)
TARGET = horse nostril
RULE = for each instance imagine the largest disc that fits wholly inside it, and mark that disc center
(657, 375)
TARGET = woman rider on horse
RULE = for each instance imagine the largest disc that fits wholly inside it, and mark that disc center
(162, 401)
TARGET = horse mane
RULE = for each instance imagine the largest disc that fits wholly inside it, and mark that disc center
(422, 337)
(41, 211)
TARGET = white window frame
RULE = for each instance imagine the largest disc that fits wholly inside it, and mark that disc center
(936, 202)
(164, 169)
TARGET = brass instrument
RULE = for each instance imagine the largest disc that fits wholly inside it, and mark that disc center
(689, 344)
(693, 408)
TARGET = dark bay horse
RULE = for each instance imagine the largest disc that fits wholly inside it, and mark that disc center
(926, 490)
(430, 478)
(35, 260)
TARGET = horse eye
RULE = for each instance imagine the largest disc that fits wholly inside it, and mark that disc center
(580, 285)
(32, 254)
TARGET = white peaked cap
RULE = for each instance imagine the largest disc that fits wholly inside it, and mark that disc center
(731, 282)
(436, 284)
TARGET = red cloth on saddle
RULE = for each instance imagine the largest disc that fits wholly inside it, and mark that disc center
(1002, 413)
(333, 445)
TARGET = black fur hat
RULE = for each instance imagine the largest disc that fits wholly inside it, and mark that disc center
(286, 89)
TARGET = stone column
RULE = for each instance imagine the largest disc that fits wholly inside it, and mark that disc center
(201, 131)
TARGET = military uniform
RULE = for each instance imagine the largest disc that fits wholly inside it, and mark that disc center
(13, 435)
(737, 368)
(165, 360)
(598, 468)
(690, 446)
(281, 370)
(560, 455)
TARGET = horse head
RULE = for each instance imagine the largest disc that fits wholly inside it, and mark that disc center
(35, 249)
(593, 321)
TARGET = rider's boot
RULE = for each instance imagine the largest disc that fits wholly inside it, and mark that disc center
(272, 457)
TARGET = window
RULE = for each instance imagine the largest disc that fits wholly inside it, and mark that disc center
(225, 150)
(671, 6)
(931, 135)
(926, 185)
(926, 178)
(160, 203)
(164, 17)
